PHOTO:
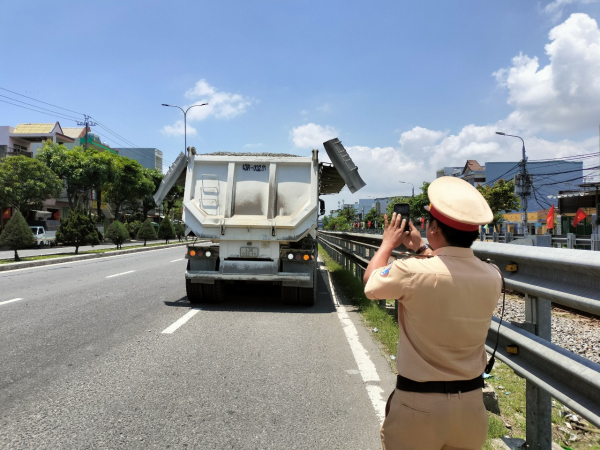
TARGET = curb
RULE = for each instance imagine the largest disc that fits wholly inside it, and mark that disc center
(49, 261)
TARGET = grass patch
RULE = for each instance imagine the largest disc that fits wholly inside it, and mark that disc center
(509, 387)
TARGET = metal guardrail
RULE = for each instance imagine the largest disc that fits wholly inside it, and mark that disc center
(545, 275)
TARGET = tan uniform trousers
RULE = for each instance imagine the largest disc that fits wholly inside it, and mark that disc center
(424, 421)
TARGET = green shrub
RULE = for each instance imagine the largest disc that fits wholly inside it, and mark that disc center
(133, 227)
(117, 233)
(146, 231)
(77, 229)
(16, 234)
(166, 230)
(180, 231)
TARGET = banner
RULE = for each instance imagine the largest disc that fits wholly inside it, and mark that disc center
(550, 219)
(579, 216)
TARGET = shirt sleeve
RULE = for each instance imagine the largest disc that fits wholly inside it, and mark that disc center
(388, 282)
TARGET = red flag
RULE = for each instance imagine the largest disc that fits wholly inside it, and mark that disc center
(550, 219)
(422, 223)
(579, 216)
(6, 214)
(56, 215)
(369, 222)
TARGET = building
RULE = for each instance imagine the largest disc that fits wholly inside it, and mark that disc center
(27, 138)
(87, 141)
(151, 158)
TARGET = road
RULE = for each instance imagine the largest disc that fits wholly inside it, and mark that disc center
(86, 363)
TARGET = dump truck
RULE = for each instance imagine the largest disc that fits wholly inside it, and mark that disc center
(254, 217)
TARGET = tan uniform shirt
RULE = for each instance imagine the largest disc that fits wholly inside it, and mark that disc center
(445, 308)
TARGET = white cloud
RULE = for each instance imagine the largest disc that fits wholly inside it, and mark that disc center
(311, 135)
(177, 129)
(555, 8)
(253, 145)
(563, 96)
(221, 105)
(326, 107)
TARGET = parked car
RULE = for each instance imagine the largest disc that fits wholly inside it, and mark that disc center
(43, 237)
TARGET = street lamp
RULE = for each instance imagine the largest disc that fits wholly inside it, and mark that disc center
(413, 186)
(522, 187)
(184, 120)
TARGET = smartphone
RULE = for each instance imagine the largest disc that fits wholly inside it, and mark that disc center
(404, 210)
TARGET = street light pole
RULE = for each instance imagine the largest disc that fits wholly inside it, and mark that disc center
(522, 188)
(184, 120)
(413, 186)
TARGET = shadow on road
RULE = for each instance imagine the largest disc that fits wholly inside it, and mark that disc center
(250, 297)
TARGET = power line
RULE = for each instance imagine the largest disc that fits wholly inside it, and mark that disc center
(41, 112)
(34, 99)
(39, 107)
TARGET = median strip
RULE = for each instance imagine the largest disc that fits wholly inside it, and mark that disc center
(119, 274)
(10, 301)
(180, 322)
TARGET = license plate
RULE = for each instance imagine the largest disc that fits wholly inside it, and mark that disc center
(249, 252)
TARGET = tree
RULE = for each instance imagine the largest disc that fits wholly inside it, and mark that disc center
(173, 196)
(165, 230)
(25, 183)
(373, 216)
(417, 203)
(16, 234)
(501, 198)
(133, 227)
(180, 231)
(99, 171)
(77, 229)
(339, 223)
(117, 233)
(71, 167)
(146, 231)
(148, 201)
(128, 184)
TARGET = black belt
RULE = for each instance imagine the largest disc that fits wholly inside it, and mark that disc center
(440, 387)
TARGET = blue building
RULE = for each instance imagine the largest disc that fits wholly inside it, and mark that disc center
(151, 158)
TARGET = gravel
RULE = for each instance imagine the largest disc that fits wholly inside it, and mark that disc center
(578, 334)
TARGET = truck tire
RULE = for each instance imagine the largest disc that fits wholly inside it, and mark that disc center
(194, 291)
(213, 293)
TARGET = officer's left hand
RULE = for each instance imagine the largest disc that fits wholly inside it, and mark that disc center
(395, 232)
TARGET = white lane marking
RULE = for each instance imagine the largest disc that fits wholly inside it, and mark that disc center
(366, 367)
(171, 329)
(10, 301)
(119, 274)
(175, 260)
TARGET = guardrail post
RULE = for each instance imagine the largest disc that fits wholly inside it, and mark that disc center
(482, 234)
(595, 242)
(571, 240)
(496, 237)
(538, 317)
(509, 237)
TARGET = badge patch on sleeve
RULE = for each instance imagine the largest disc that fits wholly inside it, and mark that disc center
(385, 271)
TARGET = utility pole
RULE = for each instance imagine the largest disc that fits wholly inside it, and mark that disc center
(523, 182)
(87, 125)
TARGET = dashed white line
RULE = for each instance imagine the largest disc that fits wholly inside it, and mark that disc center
(119, 274)
(10, 301)
(175, 260)
(366, 367)
(171, 329)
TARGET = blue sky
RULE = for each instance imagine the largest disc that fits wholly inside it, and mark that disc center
(409, 87)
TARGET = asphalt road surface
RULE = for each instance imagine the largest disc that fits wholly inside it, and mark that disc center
(108, 353)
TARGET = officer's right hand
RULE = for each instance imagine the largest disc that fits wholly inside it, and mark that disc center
(395, 231)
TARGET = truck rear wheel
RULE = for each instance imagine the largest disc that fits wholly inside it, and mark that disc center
(194, 291)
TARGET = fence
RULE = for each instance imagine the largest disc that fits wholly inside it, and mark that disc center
(545, 275)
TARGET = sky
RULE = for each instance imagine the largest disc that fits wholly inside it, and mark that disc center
(408, 87)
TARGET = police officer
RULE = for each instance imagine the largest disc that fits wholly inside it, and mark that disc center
(446, 298)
